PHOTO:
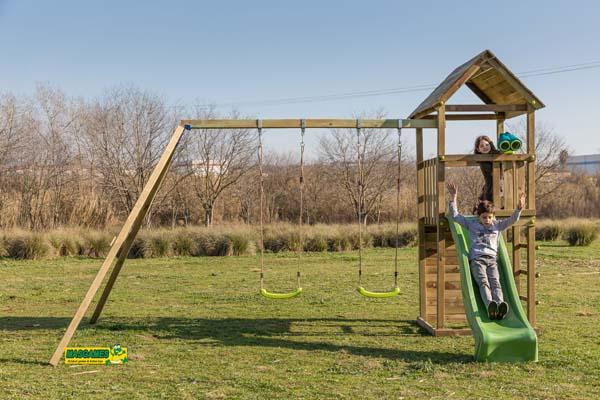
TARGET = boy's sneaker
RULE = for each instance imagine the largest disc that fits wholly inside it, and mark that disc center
(502, 310)
(492, 310)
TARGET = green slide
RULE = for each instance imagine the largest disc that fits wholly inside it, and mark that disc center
(509, 340)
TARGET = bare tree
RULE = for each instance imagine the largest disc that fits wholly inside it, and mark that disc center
(124, 135)
(550, 149)
(217, 159)
(376, 149)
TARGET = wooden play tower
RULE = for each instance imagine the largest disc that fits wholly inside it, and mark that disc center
(504, 96)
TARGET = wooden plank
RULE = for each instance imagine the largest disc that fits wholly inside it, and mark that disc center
(422, 281)
(425, 325)
(448, 318)
(309, 123)
(508, 168)
(485, 107)
(123, 241)
(456, 302)
(531, 295)
(452, 283)
(432, 269)
(516, 256)
(420, 222)
(514, 82)
(464, 117)
(452, 332)
(440, 210)
(496, 169)
(433, 292)
(485, 157)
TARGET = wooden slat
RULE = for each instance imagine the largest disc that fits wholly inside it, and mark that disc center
(432, 269)
(420, 222)
(124, 239)
(464, 117)
(449, 318)
(309, 123)
(485, 157)
(454, 302)
(508, 169)
(452, 282)
(485, 107)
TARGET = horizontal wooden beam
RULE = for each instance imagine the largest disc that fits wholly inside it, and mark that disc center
(308, 123)
(448, 158)
(465, 117)
(485, 107)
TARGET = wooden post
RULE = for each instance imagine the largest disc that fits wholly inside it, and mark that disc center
(440, 218)
(531, 298)
(421, 224)
(123, 241)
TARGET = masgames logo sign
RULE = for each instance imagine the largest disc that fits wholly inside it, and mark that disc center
(96, 355)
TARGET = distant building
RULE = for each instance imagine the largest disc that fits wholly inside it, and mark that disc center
(588, 164)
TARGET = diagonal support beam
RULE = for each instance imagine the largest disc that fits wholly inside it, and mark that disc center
(122, 244)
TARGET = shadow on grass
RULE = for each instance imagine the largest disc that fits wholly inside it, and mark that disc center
(294, 334)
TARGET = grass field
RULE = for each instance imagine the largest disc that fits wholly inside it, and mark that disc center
(196, 328)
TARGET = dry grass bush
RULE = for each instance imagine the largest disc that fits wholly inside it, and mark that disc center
(200, 241)
(27, 246)
(548, 231)
(581, 235)
(95, 244)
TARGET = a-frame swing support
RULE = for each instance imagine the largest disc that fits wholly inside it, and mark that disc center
(122, 243)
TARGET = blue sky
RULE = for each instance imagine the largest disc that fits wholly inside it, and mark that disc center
(195, 52)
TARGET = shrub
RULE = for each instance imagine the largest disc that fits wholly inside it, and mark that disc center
(367, 240)
(63, 245)
(240, 244)
(549, 232)
(183, 245)
(316, 243)
(157, 246)
(3, 247)
(339, 242)
(28, 247)
(581, 235)
(95, 245)
(138, 248)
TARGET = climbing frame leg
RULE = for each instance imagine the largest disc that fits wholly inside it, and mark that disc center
(123, 242)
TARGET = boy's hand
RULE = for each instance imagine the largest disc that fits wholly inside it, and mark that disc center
(452, 189)
(521, 201)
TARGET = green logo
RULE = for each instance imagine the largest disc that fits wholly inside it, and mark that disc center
(96, 355)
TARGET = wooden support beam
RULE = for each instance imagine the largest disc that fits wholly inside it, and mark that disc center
(485, 107)
(123, 241)
(440, 218)
(309, 123)
(421, 222)
(464, 117)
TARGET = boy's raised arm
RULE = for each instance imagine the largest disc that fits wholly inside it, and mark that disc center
(505, 223)
(452, 207)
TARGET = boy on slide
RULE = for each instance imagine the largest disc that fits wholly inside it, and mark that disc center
(484, 249)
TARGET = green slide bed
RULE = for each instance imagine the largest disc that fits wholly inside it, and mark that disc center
(511, 339)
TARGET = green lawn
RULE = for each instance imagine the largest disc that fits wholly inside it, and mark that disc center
(196, 328)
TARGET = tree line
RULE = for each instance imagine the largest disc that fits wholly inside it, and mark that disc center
(83, 162)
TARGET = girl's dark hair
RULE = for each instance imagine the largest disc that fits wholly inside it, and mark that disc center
(486, 207)
(493, 149)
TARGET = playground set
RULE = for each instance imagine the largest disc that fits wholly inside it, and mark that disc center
(448, 296)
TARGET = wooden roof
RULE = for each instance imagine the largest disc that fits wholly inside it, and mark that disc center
(489, 79)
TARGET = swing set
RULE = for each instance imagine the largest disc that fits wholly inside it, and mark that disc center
(446, 294)
(360, 184)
